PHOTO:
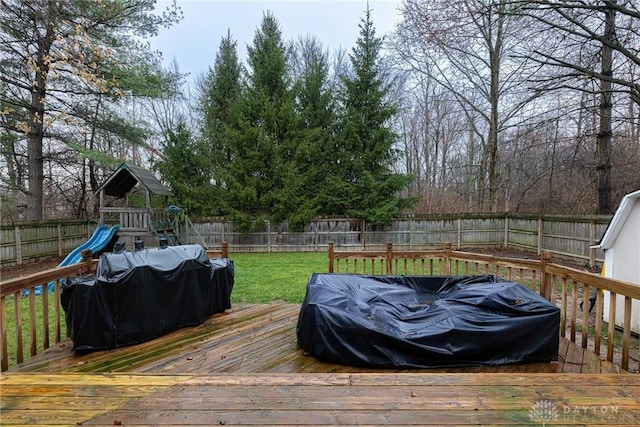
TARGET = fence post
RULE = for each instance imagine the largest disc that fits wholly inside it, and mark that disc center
(459, 234)
(545, 277)
(330, 257)
(540, 230)
(18, 241)
(59, 240)
(389, 257)
(411, 233)
(592, 242)
(447, 258)
(315, 237)
(506, 231)
(268, 235)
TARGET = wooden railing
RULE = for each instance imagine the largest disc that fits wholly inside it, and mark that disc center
(40, 313)
(579, 294)
(132, 219)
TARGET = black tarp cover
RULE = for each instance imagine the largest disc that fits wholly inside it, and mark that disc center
(139, 295)
(425, 321)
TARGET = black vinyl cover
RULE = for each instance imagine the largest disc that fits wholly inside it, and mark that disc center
(139, 295)
(425, 321)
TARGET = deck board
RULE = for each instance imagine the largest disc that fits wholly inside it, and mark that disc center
(257, 338)
(243, 367)
(318, 399)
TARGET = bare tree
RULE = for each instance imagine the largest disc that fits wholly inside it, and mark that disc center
(466, 47)
(431, 130)
(594, 39)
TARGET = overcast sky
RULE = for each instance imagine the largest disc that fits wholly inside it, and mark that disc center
(194, 41)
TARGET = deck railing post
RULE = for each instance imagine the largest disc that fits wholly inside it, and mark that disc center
(545, 277)
(447, 258)
(389, 257)
(330, 257)
(86, 255)
(225, 250)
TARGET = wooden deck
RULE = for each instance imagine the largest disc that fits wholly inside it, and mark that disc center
(244, 368)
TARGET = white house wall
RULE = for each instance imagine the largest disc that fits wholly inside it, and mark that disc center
(622, 262)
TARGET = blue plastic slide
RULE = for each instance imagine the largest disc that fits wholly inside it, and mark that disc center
(99, 239)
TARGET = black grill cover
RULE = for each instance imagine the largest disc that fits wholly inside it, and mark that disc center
(425, 321)
(139, 295)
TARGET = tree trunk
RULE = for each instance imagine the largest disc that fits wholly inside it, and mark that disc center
(492, 144)
(495, 52)
(603, 150)
(34, 149)
(471, 158)
(35, 124)
(93, 180)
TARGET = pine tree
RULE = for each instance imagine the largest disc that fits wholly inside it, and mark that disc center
(184, 167)
(365, 185)
(221, 92)
(316, 116)
(260, 135)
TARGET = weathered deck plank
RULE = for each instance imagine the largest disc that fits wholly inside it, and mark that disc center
(244, 368)
(257, 338)
(320, 399)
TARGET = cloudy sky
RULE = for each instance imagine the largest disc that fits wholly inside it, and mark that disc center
(194, 41)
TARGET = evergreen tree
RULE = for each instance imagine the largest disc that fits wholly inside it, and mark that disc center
(364, 183)
(260, 135)
(184, 166)
(316, 116)
(221, 93)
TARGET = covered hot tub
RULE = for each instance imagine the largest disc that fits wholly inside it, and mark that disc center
(425, 321)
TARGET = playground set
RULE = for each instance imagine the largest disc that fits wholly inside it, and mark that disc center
(133, 227)
(146, 224)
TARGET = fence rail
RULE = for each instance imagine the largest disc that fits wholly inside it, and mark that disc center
(570, 238)
(577, 293)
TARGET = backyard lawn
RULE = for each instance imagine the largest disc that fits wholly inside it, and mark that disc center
(264, 277)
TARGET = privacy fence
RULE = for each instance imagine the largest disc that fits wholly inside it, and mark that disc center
(567, 237)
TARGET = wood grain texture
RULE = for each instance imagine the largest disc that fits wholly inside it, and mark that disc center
(318, 399)
(244, 367)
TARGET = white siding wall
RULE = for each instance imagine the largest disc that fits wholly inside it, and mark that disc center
(622, 262)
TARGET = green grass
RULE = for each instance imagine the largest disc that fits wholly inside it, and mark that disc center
(264, 277)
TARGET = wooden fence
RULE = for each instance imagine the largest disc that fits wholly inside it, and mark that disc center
(577, 293)
(30, 242)
(567, 237)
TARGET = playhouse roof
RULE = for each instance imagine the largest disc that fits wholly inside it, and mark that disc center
(617, 222)
(127, 176)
